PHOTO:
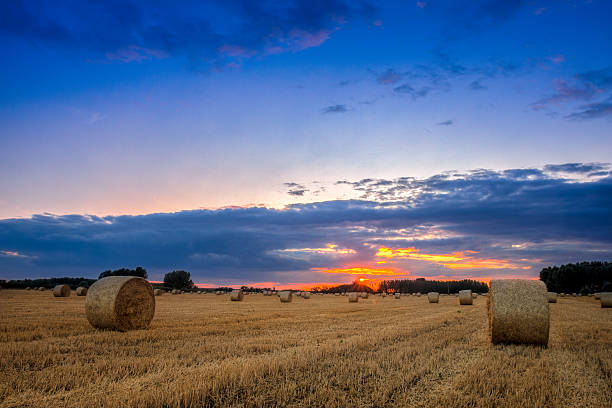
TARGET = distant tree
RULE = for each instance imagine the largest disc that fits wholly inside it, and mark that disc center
(574, 278)
(139, 271)
(178, 280)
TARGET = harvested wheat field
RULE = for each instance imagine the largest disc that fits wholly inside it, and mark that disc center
(322, 352)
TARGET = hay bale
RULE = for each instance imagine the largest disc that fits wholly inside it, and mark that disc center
(41, 288)
(120, 303)
(597, 296)
(384, 294)
(433, 297)
(286, 296)
(81, 291)
(518, 312)
(474, 295)
(337, 294)
(175, 291)
(28, 288)
(158, 292)
(397, 295)
(606, 299)
(61, 291)
(306, 295)
(418, 294)
(353, 297)
(364, 295)
(552, 297)
(465, 297)
(298, 294)
(237, 295)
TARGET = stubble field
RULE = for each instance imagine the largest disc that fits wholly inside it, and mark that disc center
(203, 350)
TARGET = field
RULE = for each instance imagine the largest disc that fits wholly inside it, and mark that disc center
(203, 350)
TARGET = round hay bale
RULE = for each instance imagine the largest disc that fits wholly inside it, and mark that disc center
(286, 296)
(81, 291)
(175, 291)
(353, 297)
(236, 295)
(597, 296)
(518, 312)
(41, 288)
(606, 299)
(337, 294)
(383, 294)
(397, 296)
(552, 297)
(418, 294)
(433, 297)
(465, 297)
(120, 303)
(298, 294)
(306, 295)
(61, 291)
(364, 295)
(474, 295)
(158, 292)
(28, 288)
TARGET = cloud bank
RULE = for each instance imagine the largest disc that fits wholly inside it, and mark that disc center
(479, 224)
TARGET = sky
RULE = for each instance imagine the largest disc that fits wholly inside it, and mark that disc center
(304, 142)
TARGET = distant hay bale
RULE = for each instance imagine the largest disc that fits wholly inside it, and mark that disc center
(518, 312)
(237, 295)
(418, 294)
(286, 296)
(219, 292)
(397, 295)
(61, 291)
(298, 294)
(353, 297)
(306, 295)
(606, 299)
(41, 288)
(81, 291)
(364, 295)
(465, 297)
(597, 296)
(120, 303)
(433, 297)
(474, 295)
(337, 294)
(28, 288)
(552, 297)
(384, 294)
(158, 292)
(175, 291)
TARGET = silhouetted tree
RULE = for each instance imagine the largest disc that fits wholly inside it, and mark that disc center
(139, 271)
(178, 280)
(583, 277)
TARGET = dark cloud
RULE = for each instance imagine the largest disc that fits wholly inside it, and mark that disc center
(445, 123)
(208, 31)
(388, 77)
(593, 110)
(296, 189)
(415, 93)
(335, 109)
(555, 220)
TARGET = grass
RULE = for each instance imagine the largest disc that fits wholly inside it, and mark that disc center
(203, 350)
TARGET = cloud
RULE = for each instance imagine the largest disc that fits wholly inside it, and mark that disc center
(445, 123)
(335, 109)
(593, 110)
(415, 93)
(213, 32)
(477, 86)
(497, 222)
(388, 77)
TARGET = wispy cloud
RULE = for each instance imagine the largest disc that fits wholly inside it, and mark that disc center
(335, 109)
(445, 123)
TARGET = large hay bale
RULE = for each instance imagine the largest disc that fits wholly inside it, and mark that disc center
(237, 295)
(433, 297)
(552, 297)
(465, 297)
(606, 299)
(286, 296)
(81, 291)
(353, 297)
(158, 292)
(397, 295)
(306, 295)
(120, 303)
(518, 312)
(61, 291)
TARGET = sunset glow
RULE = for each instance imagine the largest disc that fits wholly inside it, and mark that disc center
(454, 260)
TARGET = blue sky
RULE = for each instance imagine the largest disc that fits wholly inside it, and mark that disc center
(118, 109)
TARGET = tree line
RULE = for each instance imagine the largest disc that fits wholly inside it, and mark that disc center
(583, 277)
